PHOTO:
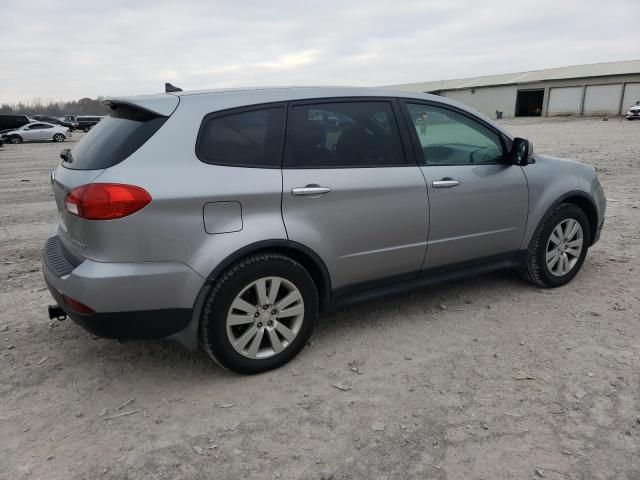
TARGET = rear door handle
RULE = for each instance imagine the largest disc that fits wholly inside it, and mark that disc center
(445, 183)
(310, 190)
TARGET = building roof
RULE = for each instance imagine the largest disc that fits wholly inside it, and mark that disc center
(575, 71)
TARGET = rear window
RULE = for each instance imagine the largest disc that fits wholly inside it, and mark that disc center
(114, 138)
(244, 139)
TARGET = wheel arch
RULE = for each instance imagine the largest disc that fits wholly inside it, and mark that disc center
(585, 202)
(302, 254)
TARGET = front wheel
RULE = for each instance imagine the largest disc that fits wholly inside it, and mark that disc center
(58, 137)
(259, 313)
(15, 139)
(559, 247)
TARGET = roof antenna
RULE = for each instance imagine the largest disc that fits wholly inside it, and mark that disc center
(168, 88)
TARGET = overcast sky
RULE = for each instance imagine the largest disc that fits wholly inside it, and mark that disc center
(64, 49)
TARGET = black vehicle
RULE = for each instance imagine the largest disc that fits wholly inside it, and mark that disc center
(12, 122)
(54, 120)
(85, 123)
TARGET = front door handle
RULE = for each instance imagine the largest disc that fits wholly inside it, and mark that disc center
(310, 190)
(445, 183)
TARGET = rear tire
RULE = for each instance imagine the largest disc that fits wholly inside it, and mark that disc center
(259, 313)
(85, 129)
(558, 249)
(58, 137)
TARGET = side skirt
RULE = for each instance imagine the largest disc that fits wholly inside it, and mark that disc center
(361, 293)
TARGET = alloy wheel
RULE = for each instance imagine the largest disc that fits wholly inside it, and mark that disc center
(265, 317)
(564, 247)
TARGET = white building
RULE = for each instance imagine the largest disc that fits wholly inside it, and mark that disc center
(597, 89)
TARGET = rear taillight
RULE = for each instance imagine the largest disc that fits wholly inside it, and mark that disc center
(106, 201)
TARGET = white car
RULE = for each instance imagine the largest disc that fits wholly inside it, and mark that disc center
(37, 132)
(633, 112)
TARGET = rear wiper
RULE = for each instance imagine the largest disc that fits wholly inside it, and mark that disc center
(66, 156)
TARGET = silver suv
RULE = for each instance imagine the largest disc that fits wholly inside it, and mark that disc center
(230, 219)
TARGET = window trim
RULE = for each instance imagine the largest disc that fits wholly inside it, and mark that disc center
(405, 142)
(415, 140)
(244, 109)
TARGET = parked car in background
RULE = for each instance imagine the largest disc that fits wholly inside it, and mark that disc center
(242, 223)
(56, 121)
(634, 112)
(37, 132)
(85, 123)
(11, 122)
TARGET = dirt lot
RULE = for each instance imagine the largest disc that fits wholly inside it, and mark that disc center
(423, 385)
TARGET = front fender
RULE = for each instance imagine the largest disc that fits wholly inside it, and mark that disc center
(552, 181)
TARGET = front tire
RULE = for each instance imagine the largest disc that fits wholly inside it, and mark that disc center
(58, 137)
(15, 139)
(559, 247)
(259, 314)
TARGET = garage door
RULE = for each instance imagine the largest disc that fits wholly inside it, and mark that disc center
(631, 95)
(564, 101)
(602, 99)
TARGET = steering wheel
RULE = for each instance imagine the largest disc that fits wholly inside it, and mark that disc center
(473, 152)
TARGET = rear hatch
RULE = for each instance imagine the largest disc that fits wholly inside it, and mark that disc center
(130, 123)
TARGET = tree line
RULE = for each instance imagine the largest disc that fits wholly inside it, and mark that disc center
(37, 106)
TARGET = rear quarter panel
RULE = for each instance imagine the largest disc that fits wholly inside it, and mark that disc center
(172, 228)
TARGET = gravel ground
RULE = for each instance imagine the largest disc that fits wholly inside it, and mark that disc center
(490, 378)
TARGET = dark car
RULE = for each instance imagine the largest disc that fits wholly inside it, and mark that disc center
(54, 120)
(12, 122)
(85, 122)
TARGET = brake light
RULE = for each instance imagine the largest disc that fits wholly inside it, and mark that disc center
(77, 307)
(106, 201)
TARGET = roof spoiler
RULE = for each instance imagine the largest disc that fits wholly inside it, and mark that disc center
(158, 104)
(168, 88)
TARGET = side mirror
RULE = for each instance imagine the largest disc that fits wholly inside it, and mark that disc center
(521, 152)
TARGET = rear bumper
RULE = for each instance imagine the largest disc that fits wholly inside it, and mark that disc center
(131, 300)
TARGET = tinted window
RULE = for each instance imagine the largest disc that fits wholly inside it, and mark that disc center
(450, 138)
(38, 126)
(243, 139)
(12, 121)
(349, 134)
(114, 138)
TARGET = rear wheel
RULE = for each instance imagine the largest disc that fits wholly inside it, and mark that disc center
(15, 139)
(259, 313)
(559, 247)
(85, 129)
(58, 137)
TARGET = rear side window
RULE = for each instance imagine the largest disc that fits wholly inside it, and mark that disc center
(114, 138)
(346, 134)
(243, 139)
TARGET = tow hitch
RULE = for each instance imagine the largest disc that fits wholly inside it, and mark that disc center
(56, 312)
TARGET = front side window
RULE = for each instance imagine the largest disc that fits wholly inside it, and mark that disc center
(450, 138)
(244, 139)
(347, 134)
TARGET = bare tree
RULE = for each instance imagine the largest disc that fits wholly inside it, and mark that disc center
(38, 106)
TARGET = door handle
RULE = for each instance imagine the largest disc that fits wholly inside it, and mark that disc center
(445, 183)
(310, 190)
